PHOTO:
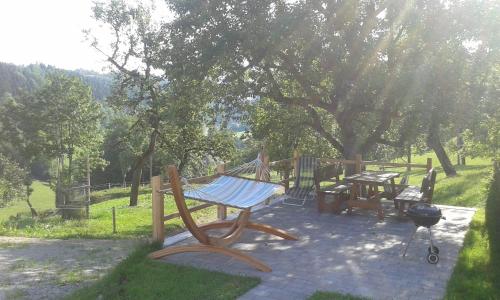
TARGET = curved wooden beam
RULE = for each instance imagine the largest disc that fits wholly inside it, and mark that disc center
(231, 237)
(217, 225)
(233, 227)
(180, 202)
(212, 249)
(271, 230)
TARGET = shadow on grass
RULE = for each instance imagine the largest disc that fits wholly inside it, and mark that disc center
(493, 227)
(139, 277)
(334, 296)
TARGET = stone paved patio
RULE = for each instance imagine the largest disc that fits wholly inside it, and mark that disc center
(353, 254)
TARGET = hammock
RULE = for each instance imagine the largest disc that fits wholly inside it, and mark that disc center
(234, 191)
(228, 190)
(233, 188)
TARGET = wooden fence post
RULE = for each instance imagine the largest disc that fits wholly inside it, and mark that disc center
(113, 212)
(357, 166)
(429, 164)
(158, 207)
(221, 209)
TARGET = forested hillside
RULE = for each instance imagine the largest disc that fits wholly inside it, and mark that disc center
(15, 78)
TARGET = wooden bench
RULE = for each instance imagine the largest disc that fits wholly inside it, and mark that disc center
(330, 198)
(338, 195)
(414, 194)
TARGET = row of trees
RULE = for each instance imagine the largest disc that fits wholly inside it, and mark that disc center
(334, 78)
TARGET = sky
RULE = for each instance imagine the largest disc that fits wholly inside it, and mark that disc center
(49, 32)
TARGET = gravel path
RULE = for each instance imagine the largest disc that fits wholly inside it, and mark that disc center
(50, 269)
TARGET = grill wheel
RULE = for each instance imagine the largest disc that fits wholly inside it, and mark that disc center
(432, 258)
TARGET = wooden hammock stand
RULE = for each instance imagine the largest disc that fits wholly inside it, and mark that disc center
(208, 243)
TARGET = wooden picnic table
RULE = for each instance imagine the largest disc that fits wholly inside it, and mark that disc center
(373, 180)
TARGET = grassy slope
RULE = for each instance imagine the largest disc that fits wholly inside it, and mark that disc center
(140, 278)
(466, 189)
(42, 199)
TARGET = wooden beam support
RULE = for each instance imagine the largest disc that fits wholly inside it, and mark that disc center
(357, 166)
(429, 164)
(221, 209)
(192, 209)
(158, 207)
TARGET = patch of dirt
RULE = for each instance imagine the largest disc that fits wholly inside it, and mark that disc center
(50, 269)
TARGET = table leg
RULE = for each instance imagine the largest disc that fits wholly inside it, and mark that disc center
(352, 197)
(393, 185)
(380, 211)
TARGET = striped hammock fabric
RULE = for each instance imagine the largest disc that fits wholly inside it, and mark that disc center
(235, 192)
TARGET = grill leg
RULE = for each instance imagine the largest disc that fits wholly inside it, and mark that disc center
(409, 241)
(430, 239)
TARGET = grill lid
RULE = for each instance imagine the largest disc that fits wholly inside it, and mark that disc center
(424, 210)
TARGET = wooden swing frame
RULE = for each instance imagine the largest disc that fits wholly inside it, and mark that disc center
(208, 243)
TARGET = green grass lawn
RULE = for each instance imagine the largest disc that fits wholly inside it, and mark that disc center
(42, 199)
(131, 222)
(138, 277)
(465, 189)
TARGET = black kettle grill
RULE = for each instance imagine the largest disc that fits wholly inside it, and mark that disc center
(425, 215)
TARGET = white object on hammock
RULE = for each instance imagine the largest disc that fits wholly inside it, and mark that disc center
(235, 192)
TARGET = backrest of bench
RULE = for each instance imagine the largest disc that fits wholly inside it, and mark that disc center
(427, 187)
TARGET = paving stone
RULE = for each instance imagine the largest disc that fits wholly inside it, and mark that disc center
(354, 254)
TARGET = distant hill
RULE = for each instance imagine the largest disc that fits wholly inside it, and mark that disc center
(14, 78)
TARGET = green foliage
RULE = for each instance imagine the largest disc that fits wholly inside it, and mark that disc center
(11, 181)
(59, 120)
(138, 277)
(284, 129)
(16, 79)
(486, 140)
(477, 273)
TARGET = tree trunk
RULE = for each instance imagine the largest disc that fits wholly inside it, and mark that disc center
(434, 143)
(349, 153)
(28, 193)
(136, 182)
(408, 158)
(460, 144)
(138, 166)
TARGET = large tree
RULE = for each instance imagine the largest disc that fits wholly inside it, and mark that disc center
(60, 121)
(348, 65)
(344, 63)
(169, 110)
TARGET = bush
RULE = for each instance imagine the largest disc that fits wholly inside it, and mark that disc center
(11, 181)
